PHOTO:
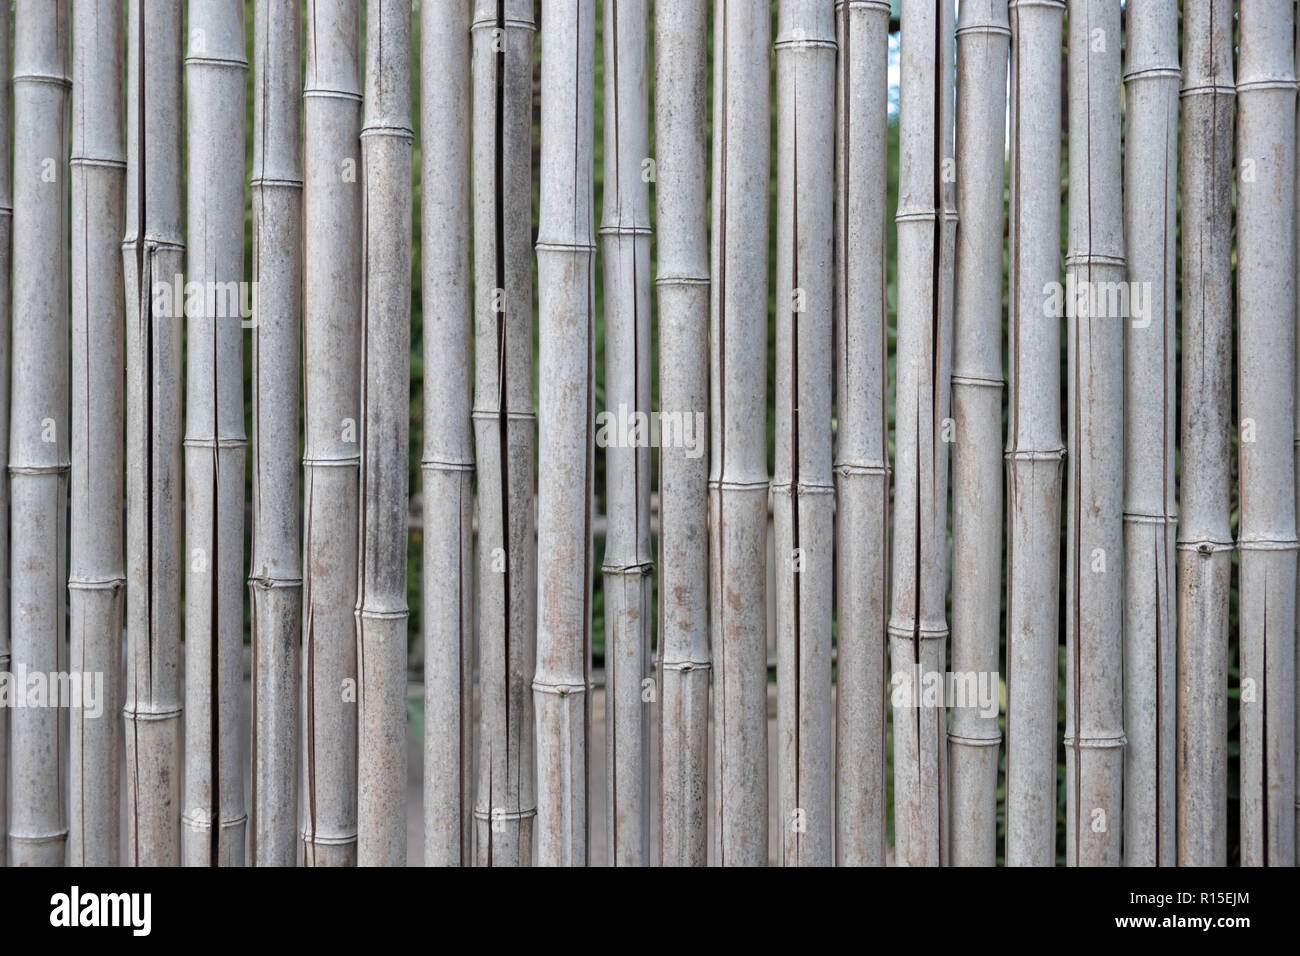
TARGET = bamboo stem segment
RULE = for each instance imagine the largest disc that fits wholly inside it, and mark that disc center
(974, 740)
(738, 479)
(862, 440)
(447, 463)
(38, 427)
(96, 581)
(331, 392)
(6, 249)
(386, 151)
(681, 188)
(566, 296)
(275, 581)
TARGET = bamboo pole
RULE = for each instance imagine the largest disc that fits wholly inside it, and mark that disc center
(628, 565)
(447, 462)
(1034, 449)
(802, 489)
(331, 393)
(275, 580)
(738, 481)
(918, 627)
(6, 248)
(974, 740)
(1094, 572)
(566, 293)
(213, 821)
(38, 426)
(1265, 393)
(386, 150)
(504, 427)
(96, 582)
(1205, 537)
(1151, 82)
(862, 443)
(681, 190)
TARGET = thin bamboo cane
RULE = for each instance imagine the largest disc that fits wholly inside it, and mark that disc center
(861, 451)
(974, 740)
(802, 488)
(681, 190)
(1266, 123)
(1151, 81)
(1094, 573)
(566, 293)
(6, 237)
(152, 254)
(275, 581)
(387, 145)
(1034, 449)
(97, 582)
(918, 627)
(504, 427)
(331, 393)
(38, 427)
(447, 463)
(213, 821)
(628, 565)
(738, 481)
(1205, 537)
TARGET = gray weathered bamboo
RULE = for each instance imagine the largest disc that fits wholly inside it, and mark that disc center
(504, 427)
(802, 489)
(1266, 122)
(1204, 535)
(96, 573)
(387, 145)
(447, 462)
(275, 579)
(1151, 81)
(331, 392)
(566, 296)
(213, 821)
(681, 188)
(628, 565)
(1094, 572)
(974, 740)
(861, 451)
(738, 480)
(6, 237)
(918, 626)
(38, 426)
(1034, 449)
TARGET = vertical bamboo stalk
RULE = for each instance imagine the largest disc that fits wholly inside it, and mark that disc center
(802, 489)
(6, 244)
(738, 481)
(628, 565)
(1034, 449)
(447, 463)
(504, 427)
(1266, 123)
(212, 817)
(681, 191)
(1094, 573)
(1151, 82)
(918, 626)
(387, 145)
(983, 39)
(275, 581)
(96, 582)
(1205, 535)
(331, 398)
(862, 443)
(38, 426)
(566, 293)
